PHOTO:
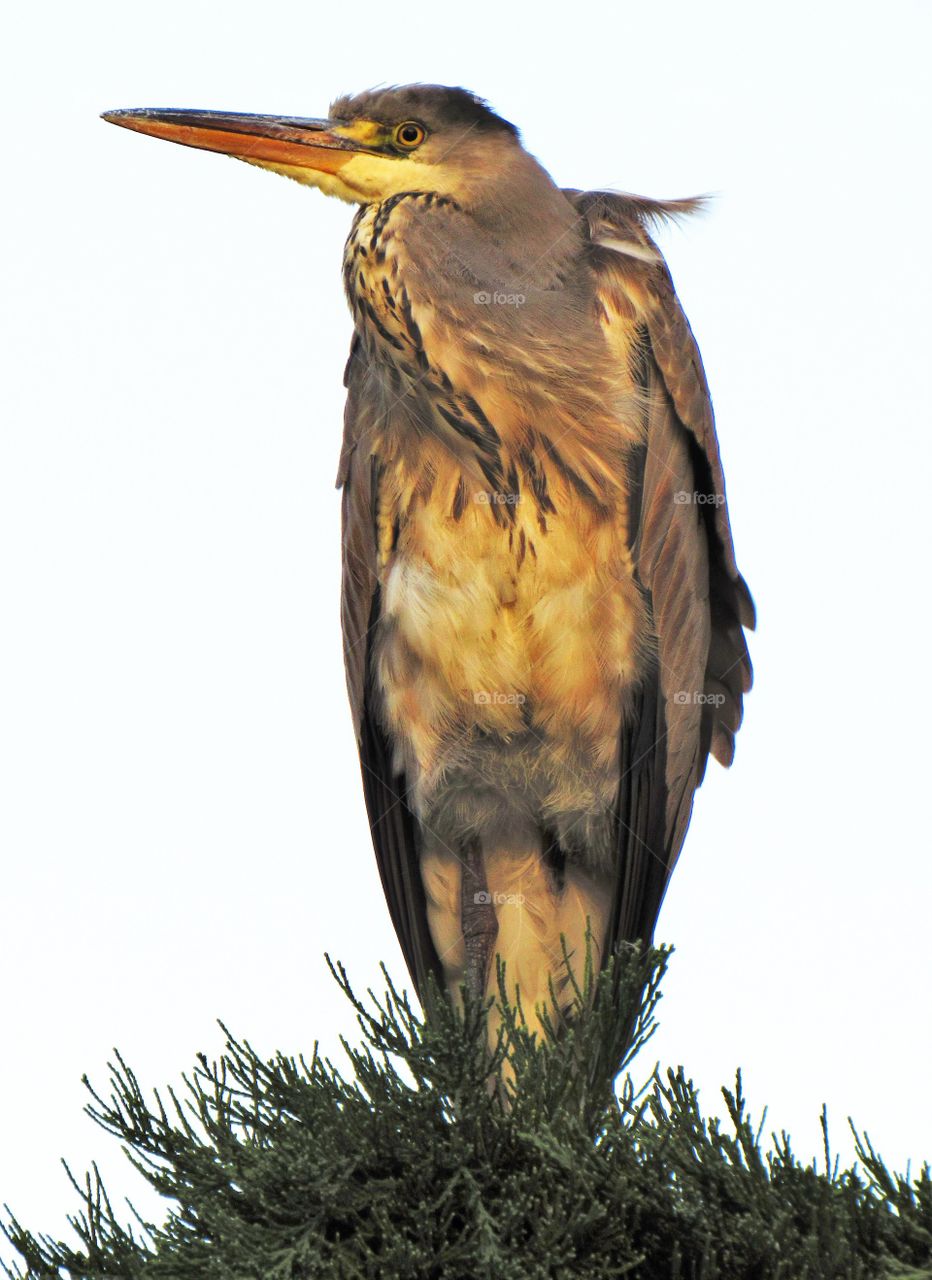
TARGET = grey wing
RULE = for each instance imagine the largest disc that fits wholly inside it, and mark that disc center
(392, 825)
(685, 561)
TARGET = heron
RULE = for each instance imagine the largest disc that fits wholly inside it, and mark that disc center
(543, 619)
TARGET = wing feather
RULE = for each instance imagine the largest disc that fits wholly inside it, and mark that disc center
(685, 561)
(392, 824)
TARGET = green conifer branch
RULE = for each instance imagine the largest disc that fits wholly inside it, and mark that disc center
(408, 1165)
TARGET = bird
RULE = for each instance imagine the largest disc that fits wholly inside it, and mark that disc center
(543, 619)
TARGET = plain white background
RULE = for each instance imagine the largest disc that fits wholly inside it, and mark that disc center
(183, 833)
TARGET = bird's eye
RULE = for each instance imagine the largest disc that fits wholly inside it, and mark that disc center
(409, 135)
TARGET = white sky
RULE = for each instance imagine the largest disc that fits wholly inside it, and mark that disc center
(181, 823)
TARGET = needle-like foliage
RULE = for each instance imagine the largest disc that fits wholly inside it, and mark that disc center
(412, 1165)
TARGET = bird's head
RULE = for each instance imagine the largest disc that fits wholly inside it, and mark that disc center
(426, 138)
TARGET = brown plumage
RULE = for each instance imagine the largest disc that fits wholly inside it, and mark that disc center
(543, 619)
(617, 477)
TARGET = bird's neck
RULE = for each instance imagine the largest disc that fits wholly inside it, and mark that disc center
(469, 336)
(527, 217)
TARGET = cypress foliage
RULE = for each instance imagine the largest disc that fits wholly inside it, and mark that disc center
(411, 1166)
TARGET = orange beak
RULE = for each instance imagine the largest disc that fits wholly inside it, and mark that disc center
(273, 140)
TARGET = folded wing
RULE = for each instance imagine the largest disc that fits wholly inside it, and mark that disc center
(684, 558)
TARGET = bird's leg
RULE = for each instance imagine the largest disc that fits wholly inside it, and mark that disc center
(536, 915)
(480, 925)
